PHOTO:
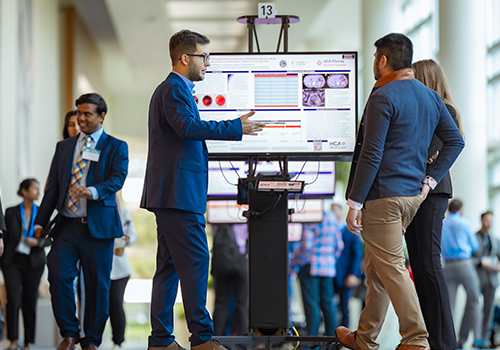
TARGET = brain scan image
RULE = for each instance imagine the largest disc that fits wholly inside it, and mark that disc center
(313, 97)
(196, 99)
(314, 81)
(337, 81)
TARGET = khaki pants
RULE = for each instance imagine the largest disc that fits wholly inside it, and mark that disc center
(384, 223)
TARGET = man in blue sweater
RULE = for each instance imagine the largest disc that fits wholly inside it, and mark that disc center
(387, 184)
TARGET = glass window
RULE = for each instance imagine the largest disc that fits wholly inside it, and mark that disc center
(492, 23)
(493, 70)
(420, 25)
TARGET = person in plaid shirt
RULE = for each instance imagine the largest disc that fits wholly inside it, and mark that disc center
(315, 258)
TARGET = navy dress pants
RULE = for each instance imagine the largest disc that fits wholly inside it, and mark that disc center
(423, 240)
(183, 256)
(73, 243)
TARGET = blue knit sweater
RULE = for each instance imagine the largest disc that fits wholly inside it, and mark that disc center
(400, 118)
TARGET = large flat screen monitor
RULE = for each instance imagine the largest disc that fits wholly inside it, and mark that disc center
(308, 102)
(319, 177)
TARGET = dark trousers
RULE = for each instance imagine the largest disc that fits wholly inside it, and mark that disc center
(344, 295)
(182, 255)
(317, 295)
(72, 243)
(423, 239)
(116, 312)
(224, 284)
(21, 284)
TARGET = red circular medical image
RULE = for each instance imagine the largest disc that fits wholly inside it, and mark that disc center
(207, 100)
(220, 100)
(196, 99)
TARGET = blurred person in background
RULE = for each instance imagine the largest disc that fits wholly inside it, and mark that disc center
(230, 272)
(70, 127)
(486, 258)
(22, 264)
(458, 244)
(315, 259)
(423, 235)
(120, 274)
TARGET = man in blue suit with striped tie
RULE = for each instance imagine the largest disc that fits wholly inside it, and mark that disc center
(175, 190)
(86, 172)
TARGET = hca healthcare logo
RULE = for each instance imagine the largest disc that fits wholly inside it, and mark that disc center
(337, 144)
(331, 62)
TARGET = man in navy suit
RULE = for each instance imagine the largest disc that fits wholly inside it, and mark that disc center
(387, 184)
(86, 172)
(175, 190)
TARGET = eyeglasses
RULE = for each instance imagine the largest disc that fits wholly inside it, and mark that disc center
(204, 57)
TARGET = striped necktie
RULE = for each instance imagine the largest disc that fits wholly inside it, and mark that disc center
(77, 175)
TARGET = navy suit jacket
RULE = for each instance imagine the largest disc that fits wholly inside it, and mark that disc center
(177, 166)
(349, 261)
(107, 176)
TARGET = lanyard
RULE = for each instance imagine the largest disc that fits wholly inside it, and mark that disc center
(33, 215)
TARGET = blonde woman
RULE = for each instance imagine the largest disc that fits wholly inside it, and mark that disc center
(423, 235)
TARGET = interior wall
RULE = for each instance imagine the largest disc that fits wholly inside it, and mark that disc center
(46, 84)
(87, 70)
(8, 87)
(39, 132)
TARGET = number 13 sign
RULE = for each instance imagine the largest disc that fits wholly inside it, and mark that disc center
(267, 10)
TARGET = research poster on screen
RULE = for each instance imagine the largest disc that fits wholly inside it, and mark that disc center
(307, 101)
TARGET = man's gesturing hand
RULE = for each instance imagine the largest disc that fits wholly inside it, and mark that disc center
(79, 191)
(249, 127)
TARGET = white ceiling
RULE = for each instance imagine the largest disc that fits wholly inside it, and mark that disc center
(133, 35)
(142, 28)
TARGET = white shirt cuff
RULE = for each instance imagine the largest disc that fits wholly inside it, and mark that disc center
(354, 205)
(430, 181)
(95, 194)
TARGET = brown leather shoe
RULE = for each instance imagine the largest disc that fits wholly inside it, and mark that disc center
(412, 347)
(91, 347)
(172, 346)
(212, 344)
(68, 343)
(347, 338)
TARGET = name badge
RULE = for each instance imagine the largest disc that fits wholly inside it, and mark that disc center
(23, 248)
(91, 154)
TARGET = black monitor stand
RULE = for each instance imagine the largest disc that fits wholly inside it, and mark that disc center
(269, 323)
(268, 214)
